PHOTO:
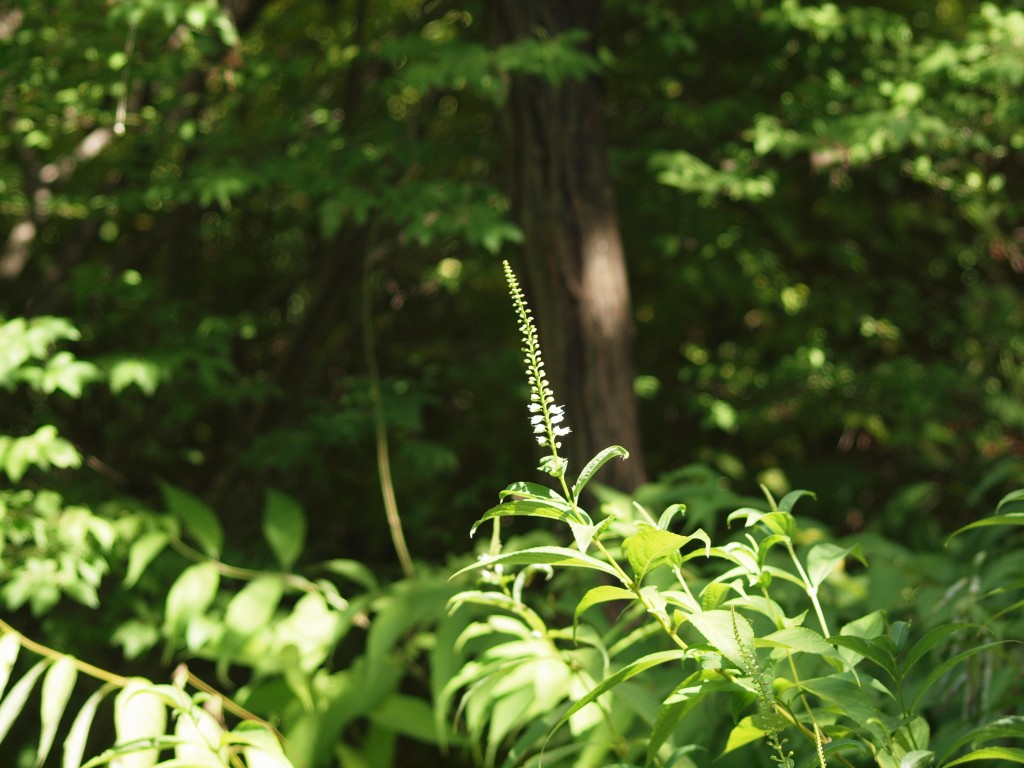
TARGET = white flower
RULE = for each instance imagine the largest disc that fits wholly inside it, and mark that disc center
(559, 431)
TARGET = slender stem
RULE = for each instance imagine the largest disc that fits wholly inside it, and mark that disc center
(812, 591)
(82, 666)
(248, 574)
(387, 486)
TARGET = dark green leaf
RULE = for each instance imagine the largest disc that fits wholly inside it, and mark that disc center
(198, 518)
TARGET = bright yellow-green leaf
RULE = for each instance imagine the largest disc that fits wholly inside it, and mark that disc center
(57, 687)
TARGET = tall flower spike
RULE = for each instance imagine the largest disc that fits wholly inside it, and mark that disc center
(545, 414)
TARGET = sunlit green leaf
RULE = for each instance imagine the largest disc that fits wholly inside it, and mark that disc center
(199, 519)
(284, 527)
(78, 734)
(139, 714)
(15, 700)
(142, 552)
(56, 690)
(545, 556)
(602, 458)
(190, 595)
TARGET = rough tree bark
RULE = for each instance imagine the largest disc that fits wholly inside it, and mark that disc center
(559, 180)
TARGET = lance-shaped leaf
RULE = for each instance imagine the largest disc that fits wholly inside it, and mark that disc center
(531, 509)
(544, 556)
(11, 706)
(9, 647)
(1007, 754)
(57, 687)
(1009, 511)
(190, 595)
(790, 499)
(602, 458)
(939, 671)
(78, 734)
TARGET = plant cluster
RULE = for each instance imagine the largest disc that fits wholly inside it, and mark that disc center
(736, 642)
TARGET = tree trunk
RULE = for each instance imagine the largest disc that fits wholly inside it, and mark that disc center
(559, 180)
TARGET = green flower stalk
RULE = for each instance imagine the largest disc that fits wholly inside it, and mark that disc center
(547, 416)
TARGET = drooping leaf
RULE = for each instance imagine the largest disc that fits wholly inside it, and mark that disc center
(544, 555)
(284, 527)
(56, 689)
(602, 458)
(1009, 518)
(9, 647)
(12, 705)
(526, 509)
(198, 518)
(1007, 754)
(78, 734)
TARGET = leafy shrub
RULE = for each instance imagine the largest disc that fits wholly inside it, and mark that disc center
(674, 650)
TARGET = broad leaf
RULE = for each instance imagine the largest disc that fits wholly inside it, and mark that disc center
(190, 595)
(824, 558)
(649, 547)
(284, 528)
(798, 639)
(869, 649)
(602, 458)
(199, 519)
(139, 714)
(724, 631)
(57, 687)
(602, 594)
(352, 570)
(837, 745)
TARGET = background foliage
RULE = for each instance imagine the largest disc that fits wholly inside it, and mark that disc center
(219, 220)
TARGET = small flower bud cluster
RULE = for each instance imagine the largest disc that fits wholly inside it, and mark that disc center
(547, 416)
